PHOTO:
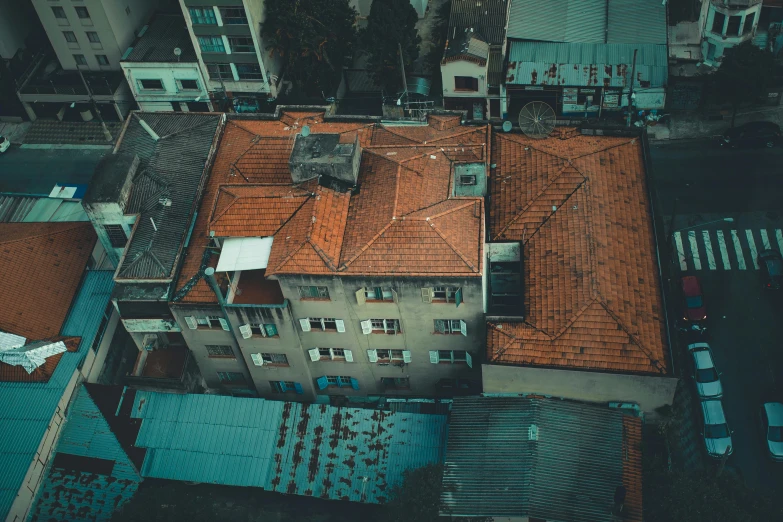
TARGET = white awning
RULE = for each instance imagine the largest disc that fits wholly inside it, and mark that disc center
(244, 253)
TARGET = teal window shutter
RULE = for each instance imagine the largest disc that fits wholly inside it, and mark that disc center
(271, 330)
(379, 293)
(298, 388)
(354, 384)
(322, 382)
(458, 297)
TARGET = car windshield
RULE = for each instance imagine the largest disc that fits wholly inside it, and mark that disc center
(706, 375)
(775, 433)
(716, 431)
(2, 140)
(775, 267)
(694, 302)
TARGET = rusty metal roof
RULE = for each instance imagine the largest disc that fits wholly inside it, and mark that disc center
(303, 449)
(569, 64)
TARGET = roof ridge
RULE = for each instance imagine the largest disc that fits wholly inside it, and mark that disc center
(76, 224)
(608, 147)
(345, 264)
(214, 217)
(182, 131)
(454, 248)
(655, 363)
(458, 133)
(576, 316)
(467, 201)
(397, 189)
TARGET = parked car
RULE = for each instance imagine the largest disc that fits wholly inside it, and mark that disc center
(716, 434)
(771, 265)
(4, 144)
(705, 375)
(693, 299)
(754, 134)
(772, 428)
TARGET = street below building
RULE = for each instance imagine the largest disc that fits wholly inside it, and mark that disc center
(715, 210)
(36, 171)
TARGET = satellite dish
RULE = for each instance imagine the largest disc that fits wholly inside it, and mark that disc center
(507, 125)
(537, 119)
(305, 131)
(177, 52)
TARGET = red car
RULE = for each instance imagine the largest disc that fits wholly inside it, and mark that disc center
(693, 299)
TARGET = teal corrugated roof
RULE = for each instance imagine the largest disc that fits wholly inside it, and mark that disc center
(304, 449)
(73, 495)
(28, 406)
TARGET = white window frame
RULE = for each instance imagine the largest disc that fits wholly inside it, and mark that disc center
(388, 294)
(268, 355)
(307, 324)
(452, 327)
(449, 294)
(389, 326)
(333, 354)
(435, 357)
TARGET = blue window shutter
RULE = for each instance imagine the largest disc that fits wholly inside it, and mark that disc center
(271, 329)
(458, 297)
(354, 384)
(322, 382)
(298, 388)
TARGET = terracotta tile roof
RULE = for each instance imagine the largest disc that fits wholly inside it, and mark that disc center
(632, 468)
(319, 230)
(47, 261)
(592, 296)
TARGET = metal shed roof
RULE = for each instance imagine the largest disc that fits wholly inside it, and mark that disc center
(541, 458)
(588, 21)
(31, 209)
(28, 406)
(542, 63)
(303, 449)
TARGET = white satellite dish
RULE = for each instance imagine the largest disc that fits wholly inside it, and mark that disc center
(305, 131)
(177, 51)
(537, 119)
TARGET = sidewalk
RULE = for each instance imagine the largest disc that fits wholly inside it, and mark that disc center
(690, 125)
(14, 131)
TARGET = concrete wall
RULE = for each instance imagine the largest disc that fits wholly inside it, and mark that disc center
(115, 27)
(109, 214)
(649, 392)
(463, 68)
(168, 74)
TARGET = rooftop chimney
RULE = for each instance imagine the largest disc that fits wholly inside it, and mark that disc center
(317, 155)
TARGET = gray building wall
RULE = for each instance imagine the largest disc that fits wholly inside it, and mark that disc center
(648, 391)
(115, 21)
(15, 25)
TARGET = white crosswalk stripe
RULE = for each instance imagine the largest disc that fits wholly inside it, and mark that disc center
(738, 250)
(765, 240)
(694, 250)
(705, 235)
(680, 251)
(724, 253)
(779, 239)
(752, 245)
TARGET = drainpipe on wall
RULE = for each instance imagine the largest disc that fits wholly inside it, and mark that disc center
(209, 275)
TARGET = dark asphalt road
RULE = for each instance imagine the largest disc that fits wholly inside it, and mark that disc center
(744, 321)
(36, 171)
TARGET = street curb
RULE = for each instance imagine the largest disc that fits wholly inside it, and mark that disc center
(63, 146)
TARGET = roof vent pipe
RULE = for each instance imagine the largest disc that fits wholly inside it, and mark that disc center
(209, 275)
(152, 133)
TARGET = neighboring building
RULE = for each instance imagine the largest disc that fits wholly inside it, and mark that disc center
(162, 68)
(333, 256)
(472, 64)
(88, 39)
(141, 202)
(226, 35)
(15, 25)
(578, 56)
(728, 23)
(522, 459)
(586, 319)
(50, 333)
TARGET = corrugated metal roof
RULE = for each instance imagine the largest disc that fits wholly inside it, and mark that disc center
(304, 449)
(542, 458)
(78, 495)
(486, 17)
(589, 21)
(28, 406)
(171, 167)
(34, 209)
(540, 63)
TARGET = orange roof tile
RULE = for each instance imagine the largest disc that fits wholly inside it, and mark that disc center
(592, 295)
(633, 508)
(327, 231)
(47, 261)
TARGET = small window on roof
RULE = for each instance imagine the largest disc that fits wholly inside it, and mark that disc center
(467, 179)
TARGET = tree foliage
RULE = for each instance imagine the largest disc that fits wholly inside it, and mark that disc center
(312, 38)
(391, 25)
(417, 499)
(744, 75)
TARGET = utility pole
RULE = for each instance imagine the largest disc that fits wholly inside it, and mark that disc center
(106, 132)
(630, 90)
(402, 70)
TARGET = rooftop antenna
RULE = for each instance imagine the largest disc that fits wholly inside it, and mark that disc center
(177, 52)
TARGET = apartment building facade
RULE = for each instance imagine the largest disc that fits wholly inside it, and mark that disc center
(331, 284)
(226, 35)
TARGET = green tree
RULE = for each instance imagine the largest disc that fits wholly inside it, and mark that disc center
(417, 499)
(391, 26)
(744, 75)
(312, 38)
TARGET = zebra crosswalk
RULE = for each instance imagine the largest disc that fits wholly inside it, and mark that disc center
(725, 250)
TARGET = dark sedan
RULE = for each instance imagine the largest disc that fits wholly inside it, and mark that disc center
(754, 134)
(771, 265)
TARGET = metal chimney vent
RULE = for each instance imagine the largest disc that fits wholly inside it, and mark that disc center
(532, 432)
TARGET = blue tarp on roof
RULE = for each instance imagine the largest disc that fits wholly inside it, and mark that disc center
(304, 449)
(68, 494)
(29, 406)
